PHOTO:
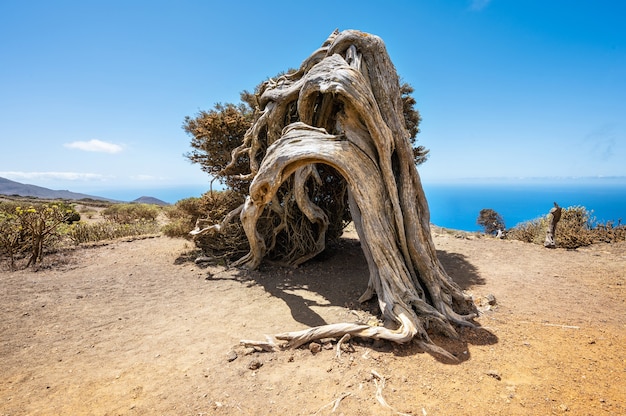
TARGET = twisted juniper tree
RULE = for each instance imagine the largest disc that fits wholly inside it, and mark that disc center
(332, 138)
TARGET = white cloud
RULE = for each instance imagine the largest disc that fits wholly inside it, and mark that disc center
(95, 145)
(68, 176)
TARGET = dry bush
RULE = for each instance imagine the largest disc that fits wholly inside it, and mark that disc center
(230, 242)
(533, 231)
(609, 232)
(577, 228)
(210, 209)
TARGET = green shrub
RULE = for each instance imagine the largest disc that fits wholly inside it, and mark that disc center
(10, 236)
(182, 217)
(108, 230)
(491, 221)
(207, 210)
(33, 229)
(128, 213)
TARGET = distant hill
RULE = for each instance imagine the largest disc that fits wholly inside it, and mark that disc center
(150, 200)
(9, 187)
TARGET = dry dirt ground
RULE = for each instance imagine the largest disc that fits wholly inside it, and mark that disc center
(135, 328)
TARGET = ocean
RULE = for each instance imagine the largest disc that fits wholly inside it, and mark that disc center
(457, 205)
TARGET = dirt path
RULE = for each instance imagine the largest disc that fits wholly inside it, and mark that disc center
(132, 328)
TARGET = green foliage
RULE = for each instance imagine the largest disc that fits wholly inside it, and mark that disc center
(577, 228)
(208, 210)
(31, 229)
(129, 213)
(10, 235)
(412, 119)
(490, 220)
(214, 135)
(182, 217)
(108, 230)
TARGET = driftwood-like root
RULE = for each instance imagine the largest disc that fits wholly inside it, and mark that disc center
(341, 113)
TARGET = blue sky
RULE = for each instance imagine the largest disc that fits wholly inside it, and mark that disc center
(93, 93)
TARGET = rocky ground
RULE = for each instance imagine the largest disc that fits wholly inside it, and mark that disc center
(135, 328)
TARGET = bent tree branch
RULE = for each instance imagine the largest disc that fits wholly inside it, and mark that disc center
(338, 120)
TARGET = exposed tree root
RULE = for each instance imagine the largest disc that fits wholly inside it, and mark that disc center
(331, 135)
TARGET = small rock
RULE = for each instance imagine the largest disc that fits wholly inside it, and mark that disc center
(255, 365)
(494, 374)
(231, 356)
(314, 347)
(491, 299)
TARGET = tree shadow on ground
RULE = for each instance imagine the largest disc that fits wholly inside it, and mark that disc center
(338, 277)
(464, 273)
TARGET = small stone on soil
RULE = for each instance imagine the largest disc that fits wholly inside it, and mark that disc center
(255, 365)
(494, 374)
(231, 356)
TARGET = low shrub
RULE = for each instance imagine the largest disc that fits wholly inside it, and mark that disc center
(205, 211)
(208, 210)
(533, 231)
(108, 230)
(32, 229)
(128, 213)
(577, 228)
(182, 217)
(230, 242)
(11, 239)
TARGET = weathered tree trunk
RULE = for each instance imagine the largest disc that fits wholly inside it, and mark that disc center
(555, 216)
(343, 109)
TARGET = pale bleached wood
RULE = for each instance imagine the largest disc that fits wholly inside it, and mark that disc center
(349, 117)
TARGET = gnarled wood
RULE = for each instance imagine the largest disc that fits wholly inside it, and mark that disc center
(341, 114)
(555, 217)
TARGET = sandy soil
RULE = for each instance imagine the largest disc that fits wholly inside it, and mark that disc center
(135, 328)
